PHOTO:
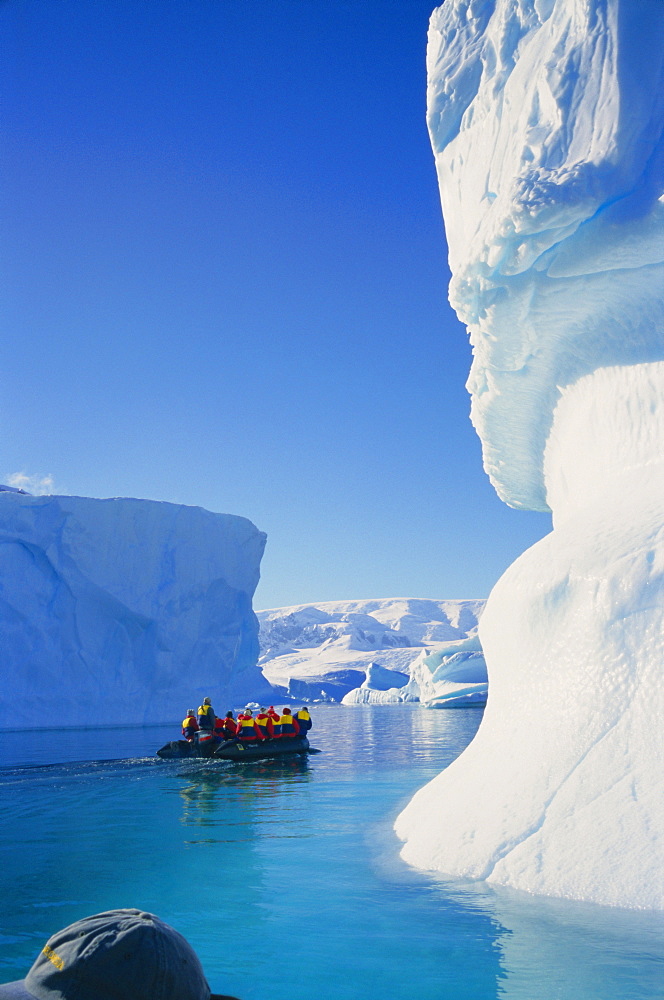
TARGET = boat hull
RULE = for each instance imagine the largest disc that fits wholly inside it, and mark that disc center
(230, 750)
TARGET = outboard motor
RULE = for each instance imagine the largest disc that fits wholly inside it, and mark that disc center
(206, 742)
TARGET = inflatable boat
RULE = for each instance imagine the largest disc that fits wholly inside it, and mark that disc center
(205, 745)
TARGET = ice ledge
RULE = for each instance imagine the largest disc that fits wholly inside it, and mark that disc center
(547, 124)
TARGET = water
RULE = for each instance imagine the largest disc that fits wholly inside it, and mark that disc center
(285, 875)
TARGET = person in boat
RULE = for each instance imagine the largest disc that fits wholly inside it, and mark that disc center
(265, 724)
(226, 727)
(289, 725)
(189, 725)
(247, 728)
(304, 720)
(118, 953)
(206, 715)
(276, 723)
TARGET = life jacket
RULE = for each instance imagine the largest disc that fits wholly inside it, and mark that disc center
(265, 724)
(230, 725)
(246, 729)
(304, 720)
(289, 726)
(189, 726)
(205, 716)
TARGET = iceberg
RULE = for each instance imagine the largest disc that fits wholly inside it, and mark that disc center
(546, 119)
(124, 611)
(454, 675)
(359, 652)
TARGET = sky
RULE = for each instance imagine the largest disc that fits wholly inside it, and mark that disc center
(226, 285)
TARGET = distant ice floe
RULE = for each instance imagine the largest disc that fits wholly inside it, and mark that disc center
(376, 652)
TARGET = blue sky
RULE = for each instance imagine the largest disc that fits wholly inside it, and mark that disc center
(226, 285)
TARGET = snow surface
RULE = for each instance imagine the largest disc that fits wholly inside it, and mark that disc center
(360, 652)
(122, 610)
(546, 118)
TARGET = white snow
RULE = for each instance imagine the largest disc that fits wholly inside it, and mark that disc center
(123, 610)
(546, 118)
(360, 652)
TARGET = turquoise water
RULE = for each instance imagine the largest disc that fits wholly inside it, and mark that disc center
(285, 875)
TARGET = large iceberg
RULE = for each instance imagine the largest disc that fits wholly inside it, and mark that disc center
(124, 611)
(546, 119)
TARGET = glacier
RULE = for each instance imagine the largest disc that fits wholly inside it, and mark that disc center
(546, 119)
(124, 611)
(373, 651)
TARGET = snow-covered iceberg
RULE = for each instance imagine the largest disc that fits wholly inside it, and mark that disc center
(359, 652)
(547, 119)
(123, 610)
(453, 675)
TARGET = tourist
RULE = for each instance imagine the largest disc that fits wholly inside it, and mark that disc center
(117, 954)
(247, 728)
(206, 715)
(265, 724)
(304, 720)
(189, 725)
(225, 728)
(289, 726)
(230, 725)
(276, 722)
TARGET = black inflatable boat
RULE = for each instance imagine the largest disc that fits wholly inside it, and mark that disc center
(209, 747)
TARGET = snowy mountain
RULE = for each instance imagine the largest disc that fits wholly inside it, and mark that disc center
(362, 651)
(118, 611)
(547, 123)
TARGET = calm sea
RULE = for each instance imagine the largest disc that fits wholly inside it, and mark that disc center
(285, 875)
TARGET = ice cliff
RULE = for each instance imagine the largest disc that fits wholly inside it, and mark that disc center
(546, 119)
(122, 610)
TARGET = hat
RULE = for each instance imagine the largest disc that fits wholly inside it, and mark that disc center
(116, 953)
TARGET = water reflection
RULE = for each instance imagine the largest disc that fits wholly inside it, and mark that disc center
(216, 793)
(580, 951)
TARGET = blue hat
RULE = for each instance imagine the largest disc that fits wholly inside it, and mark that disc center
(120, 953)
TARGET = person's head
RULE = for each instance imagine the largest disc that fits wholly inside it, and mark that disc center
(286, 711)
(247, 713)
(125, 953)
(190, 712)
(206, 701)
(229, 715)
